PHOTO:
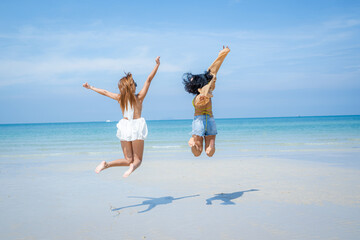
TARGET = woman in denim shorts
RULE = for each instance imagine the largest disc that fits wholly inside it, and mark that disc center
(203, 126)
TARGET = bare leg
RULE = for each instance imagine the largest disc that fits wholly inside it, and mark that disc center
(138, 150)
(127, 150)
(196, 144)
(210, 145)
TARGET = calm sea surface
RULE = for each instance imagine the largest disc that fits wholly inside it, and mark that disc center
(245, 136)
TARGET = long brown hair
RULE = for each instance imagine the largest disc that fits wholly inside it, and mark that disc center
(127, 88)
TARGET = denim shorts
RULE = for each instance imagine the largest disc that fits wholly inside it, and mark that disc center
(203, 125)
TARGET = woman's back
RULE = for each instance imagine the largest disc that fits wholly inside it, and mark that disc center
(202, 109)
(133, 112)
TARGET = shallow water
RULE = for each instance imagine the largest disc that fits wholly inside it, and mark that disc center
(242, 136)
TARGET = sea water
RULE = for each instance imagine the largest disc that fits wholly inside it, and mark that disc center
(237, 137)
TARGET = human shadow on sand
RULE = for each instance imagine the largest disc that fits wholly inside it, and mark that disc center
(153, 202)
(227, 197)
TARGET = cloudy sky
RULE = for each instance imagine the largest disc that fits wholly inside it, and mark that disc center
(287, 58)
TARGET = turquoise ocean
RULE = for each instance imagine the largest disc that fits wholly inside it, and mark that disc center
(335, 136)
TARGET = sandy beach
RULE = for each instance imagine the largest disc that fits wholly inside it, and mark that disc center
(273, 85)
(181, 197)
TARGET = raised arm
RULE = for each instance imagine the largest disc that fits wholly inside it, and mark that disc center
(102, 92)
(146, 86)
(215, 66)
(205, 93)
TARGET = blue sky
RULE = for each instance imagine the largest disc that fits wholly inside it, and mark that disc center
(287, 58)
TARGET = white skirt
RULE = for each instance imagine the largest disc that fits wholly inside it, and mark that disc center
(131, 130)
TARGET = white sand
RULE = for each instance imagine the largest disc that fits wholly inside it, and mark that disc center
(290, 199)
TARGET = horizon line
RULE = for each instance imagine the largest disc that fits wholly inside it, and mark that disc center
(180, 119)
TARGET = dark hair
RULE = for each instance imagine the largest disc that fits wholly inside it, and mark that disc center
(192, 82)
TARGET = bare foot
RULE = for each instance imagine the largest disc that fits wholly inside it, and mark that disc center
(101, 167)
(210, 150)
(191, 142)
(129, 171)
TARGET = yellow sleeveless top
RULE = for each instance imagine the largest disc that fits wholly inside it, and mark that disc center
(205, 110)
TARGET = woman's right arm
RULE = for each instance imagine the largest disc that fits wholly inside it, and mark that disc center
(201, 100)
(102, 92)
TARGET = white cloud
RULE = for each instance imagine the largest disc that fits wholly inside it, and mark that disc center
(33, 55)
(342, 23)
(28, 71)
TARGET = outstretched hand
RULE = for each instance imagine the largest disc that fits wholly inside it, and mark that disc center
(227, 48)
(86, 85)
(157, 60)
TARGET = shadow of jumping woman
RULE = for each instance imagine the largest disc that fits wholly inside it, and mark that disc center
(153, 202)
(227, 198)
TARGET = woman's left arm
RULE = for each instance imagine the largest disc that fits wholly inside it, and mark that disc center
(102, 92)
(215, 66)
(147, 83)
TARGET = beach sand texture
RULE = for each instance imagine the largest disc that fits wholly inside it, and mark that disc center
(216, 198)
(308, 193)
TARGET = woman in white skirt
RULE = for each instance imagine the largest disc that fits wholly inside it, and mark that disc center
(132, 129)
